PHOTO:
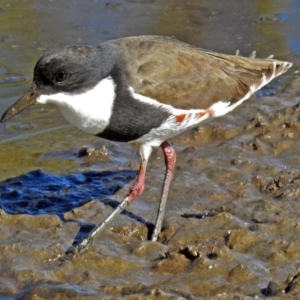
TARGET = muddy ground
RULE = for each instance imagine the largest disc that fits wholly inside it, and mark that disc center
(232, 225)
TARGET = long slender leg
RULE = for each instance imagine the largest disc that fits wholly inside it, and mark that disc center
(135, 191)
(170, 161)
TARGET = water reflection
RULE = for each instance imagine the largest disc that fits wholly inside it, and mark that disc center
(38, 192)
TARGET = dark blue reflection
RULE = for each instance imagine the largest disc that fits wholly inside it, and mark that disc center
(38, 192)
(295, 45)
(270, 89)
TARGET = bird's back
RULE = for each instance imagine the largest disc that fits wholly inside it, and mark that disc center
(187, 77)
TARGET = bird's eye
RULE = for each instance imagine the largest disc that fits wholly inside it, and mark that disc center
(61, 76)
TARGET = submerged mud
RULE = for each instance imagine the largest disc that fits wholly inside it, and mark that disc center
(231, 227)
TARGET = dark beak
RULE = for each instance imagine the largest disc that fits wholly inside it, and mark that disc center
(25, 101)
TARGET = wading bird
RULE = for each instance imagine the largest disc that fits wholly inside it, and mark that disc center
(143, 89)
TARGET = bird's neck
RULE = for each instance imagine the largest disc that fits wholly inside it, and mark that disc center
(91, 110)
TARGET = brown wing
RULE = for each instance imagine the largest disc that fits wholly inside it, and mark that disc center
(176, 73)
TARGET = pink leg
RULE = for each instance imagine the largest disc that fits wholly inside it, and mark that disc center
(170, 155)
(135, 191)
(138, 187)
(170, 161)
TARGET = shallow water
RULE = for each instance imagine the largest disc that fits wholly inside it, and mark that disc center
(232, 223)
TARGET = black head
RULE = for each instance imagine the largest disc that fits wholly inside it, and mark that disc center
(73, 69)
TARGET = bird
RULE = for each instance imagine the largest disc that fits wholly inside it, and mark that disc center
(143, 89)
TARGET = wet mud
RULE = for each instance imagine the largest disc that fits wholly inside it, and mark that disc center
(231, 227)
(232, 224)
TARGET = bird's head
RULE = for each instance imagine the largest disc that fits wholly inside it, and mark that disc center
(70, 70)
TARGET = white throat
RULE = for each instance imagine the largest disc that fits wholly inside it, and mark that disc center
(89, 111)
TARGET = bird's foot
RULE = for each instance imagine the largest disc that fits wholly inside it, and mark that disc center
(73, 251)
(80, 247)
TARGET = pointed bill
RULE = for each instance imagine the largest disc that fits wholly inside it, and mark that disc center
(25, 101)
